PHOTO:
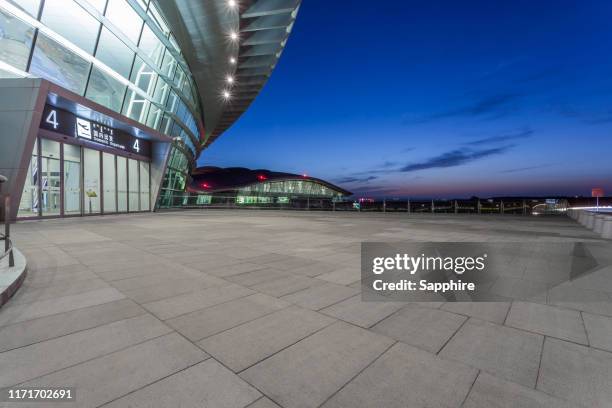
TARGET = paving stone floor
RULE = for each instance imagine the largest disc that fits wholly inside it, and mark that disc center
(262, 309)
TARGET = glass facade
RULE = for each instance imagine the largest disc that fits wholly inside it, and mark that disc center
(76, 180)
(118, 54)
(290, 187)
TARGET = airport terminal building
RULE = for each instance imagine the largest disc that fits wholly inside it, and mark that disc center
(245, 187)
(105, 105)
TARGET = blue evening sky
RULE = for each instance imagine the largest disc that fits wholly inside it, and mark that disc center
(437, 99)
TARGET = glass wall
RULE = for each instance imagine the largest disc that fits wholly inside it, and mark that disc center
(123, 61)
(28, 206)
(133, 185)
(91, 180)
(72, 179)
(50, 181)
(15, 41)
(122, 187)
(109, 181)
(144, 186)
(297, 187)
(76, 180)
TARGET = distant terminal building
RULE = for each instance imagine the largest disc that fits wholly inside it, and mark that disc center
(242, 186)
(106, 105)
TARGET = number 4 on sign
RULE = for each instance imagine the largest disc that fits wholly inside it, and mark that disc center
(136, 146)
(52, 119)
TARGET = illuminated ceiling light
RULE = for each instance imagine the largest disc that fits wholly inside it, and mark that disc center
(226, 94)
(232, 3)
(232, 60)
(233, 36)
(230, 79)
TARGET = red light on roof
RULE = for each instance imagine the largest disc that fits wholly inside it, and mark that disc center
(261, 177)
(205, 185)
(305, 175)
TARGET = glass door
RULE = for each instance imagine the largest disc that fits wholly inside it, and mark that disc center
(50, 182)
(122, 189)
(145, 197)
(91, 181)
(133, 184)
(28, 206)
(110, 190)
(72, 179)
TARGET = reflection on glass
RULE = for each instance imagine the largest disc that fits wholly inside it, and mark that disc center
(72, 179)
(91, 181)
(108, 172)
(55, 63)
(133, 184)
(29, 6)
(168, 65)
(122, 15)
(114, 53)
(50, 192)
(28, 206)
(72, 22)
(161, 91)
(144, 186)
(135, 106)
(143, 76)
(122, 190)
(151, 45)
(15, 41)
(155, 115)
(157, 18)
(98, 4)
(105, 90)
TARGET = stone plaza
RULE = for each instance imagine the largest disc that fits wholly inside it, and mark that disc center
(258, 309)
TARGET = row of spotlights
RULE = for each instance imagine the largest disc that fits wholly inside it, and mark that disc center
(234, 37)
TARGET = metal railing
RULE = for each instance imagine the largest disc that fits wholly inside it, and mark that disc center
(510, 206)
(6, 237)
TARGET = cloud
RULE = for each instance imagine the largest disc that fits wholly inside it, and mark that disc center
(353, 179)
(455, 158)
(526, 132)
(524, 168)
(589, 118)
(489, 105)
(388, 164)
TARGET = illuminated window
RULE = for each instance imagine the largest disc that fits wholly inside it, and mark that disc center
(143, 76)
(168, 65)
